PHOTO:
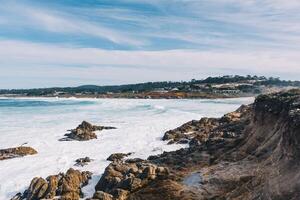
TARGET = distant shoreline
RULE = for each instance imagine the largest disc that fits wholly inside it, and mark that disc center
(209, 88)
(137, 96)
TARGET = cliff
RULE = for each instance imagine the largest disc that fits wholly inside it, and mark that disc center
(252, 153)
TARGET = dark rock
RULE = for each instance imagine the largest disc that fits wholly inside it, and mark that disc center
(84, 131)
(118, 156)
(16, 152)
(82, 161)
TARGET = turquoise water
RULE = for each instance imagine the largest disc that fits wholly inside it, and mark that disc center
(21, 103)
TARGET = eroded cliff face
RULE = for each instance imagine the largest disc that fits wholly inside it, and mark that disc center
(271, 144)
(252, 153)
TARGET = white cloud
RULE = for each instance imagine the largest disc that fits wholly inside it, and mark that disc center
(232, 37)
(104, 67)
(207, 23)
(59, 22)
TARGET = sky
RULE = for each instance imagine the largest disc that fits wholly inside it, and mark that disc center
(106, 42)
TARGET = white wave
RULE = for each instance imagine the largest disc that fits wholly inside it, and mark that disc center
(139, 130)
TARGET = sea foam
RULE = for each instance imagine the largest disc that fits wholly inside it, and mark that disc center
(41, 122)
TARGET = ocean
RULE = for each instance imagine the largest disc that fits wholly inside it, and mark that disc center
(41, 122)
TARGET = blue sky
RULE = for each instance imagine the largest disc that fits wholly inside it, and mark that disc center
(69, 42)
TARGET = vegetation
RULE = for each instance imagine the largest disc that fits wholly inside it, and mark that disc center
(251, 84)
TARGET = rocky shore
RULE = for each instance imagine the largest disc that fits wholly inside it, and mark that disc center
(251, 153)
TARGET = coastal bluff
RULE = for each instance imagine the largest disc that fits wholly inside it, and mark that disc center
(251, 153)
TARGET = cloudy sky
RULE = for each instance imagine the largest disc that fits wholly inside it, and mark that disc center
(70, 43)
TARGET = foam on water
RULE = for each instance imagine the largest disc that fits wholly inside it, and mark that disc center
(41, 122)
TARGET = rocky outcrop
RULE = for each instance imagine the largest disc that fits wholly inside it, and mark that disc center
(84, 131)
(252, 153)
(65, 186)
(122, 178)
(259, 159)
(82, 161)
(16, 152)
(118, 156)
(199, 131)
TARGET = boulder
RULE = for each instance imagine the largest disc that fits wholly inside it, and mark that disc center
(67, 186)
(121, 178)
(84, 131)
(16, 152)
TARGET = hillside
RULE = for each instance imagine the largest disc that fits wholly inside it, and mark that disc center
(211, 87)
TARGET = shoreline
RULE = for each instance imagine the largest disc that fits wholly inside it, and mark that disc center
(104, 140)
(220, 161)
(121, 98)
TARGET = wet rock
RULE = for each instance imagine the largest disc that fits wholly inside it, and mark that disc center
(83, 161)
(84, 131)
(118, 156)
(16, 152)
(67, 186)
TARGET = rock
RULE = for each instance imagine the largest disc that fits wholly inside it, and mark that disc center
(130, 184)
(67, 186)
(18, 196)
(197, 132)
(84, 131)
(149, 172)
(52, 186)
(102, 196)
(118, 156)
(82, 161)
(120, 194)
(16, 152)
(251, 153)
(121, 178)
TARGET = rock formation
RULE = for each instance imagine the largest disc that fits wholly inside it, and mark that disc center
(252, 153)
(65, 186)
(84, 131)
(122, 178)
(16, 152)
(199, 131)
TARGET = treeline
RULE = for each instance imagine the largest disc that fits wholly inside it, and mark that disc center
(151, 86)
(141, 87)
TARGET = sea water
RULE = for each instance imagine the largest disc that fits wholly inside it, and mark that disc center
(41, 122)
